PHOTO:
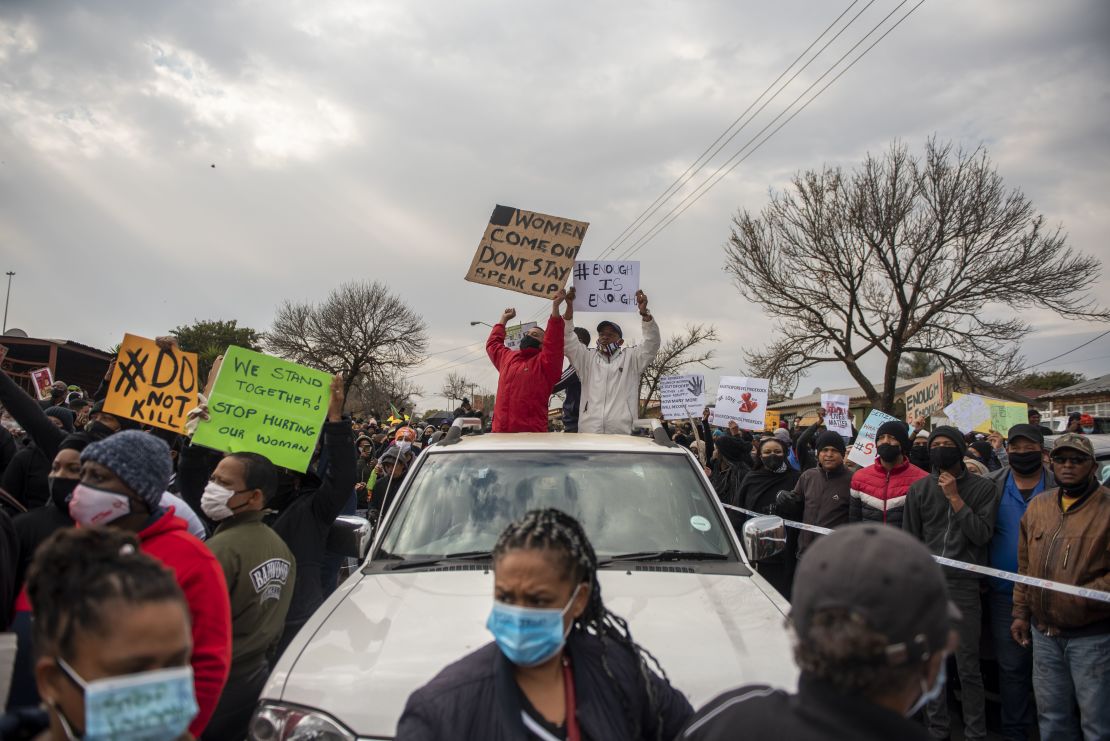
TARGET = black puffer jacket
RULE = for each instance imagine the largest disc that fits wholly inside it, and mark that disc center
(477, 698)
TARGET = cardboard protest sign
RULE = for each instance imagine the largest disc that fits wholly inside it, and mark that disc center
(837, 418)
(969, 412)
(606, 285)
(42, 380)
(152, 385)
(863, 450)
(527, 252)
(262, 404)
(989, 414)
(771, 420)
(682, 396)
(515, 333)
(926, 398)
(743, 401)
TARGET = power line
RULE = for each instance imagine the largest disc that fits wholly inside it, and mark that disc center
(709, 182)
(1069, 352)
(686, 176)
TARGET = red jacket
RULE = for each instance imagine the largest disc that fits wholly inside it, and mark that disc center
(526, 379)
(201, 578)
(879, 495)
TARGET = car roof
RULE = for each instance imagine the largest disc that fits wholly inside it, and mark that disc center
(1100, 441)
(555, 441)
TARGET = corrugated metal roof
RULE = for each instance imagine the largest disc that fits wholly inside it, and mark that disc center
(1100, 385)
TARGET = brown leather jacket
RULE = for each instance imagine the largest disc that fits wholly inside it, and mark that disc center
(1072, 547)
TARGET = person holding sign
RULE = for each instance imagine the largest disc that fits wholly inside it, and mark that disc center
(526, 376)
(610, 374)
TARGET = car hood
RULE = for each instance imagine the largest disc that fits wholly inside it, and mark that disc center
(366, 650)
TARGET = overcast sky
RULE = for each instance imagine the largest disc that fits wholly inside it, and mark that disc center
(370, 140)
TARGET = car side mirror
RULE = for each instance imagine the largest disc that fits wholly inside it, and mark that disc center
(350, 536)
(764, 537)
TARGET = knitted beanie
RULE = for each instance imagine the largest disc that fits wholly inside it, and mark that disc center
(141, 461)
(952, 434)
(830, 439)
(898, 430)
(63, 415)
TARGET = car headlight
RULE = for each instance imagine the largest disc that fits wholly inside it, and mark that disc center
(273, 722)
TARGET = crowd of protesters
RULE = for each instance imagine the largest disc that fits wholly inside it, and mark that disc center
(194, 570)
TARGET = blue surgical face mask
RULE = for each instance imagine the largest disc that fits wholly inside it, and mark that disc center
(928, 694)
(529, 636)
(148, 706)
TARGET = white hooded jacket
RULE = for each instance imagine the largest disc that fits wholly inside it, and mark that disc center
(610, 384)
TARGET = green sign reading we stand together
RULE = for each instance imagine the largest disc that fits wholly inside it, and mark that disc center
(262, 404)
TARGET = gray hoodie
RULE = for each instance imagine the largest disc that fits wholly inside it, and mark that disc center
(964, 535)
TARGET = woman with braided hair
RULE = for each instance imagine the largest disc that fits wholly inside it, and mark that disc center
(112, 640)
(561, 665)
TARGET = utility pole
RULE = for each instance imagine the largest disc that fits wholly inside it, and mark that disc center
(6, 299)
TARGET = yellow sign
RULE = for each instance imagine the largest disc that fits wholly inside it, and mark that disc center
(1003, 414)
(153, 385)
(771, 420)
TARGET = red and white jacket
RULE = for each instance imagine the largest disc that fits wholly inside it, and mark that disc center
(879, 495)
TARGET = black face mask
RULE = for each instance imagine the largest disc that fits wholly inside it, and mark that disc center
(528, 342)
(945, 458)
(772, 462)
(1026, 463)
(98, 430)
(889, 452)
(60, 491)
(919, 456)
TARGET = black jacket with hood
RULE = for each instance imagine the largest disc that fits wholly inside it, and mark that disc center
(477, 698)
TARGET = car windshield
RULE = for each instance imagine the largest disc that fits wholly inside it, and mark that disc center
(628, 503)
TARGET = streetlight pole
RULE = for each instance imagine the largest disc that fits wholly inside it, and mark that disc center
(6, 299)
(475, 324)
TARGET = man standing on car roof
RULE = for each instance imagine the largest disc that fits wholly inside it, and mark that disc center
(610, 374)
(526, 376)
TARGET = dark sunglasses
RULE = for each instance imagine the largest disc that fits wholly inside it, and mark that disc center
(1070, 460)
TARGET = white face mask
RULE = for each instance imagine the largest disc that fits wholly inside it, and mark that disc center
(1088, 430)
(89, 506)
(214, 501)
(928, 694)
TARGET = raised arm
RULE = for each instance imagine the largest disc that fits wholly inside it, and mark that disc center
(495, 345)
(551, 354)
(577, 353)
(30, 416)
(644, 353)
(339, 479)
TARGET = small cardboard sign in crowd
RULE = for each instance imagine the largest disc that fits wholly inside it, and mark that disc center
(743, 401)
(682, 397)
(606, 286)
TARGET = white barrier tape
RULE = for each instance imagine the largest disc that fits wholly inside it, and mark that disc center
(1031, 581)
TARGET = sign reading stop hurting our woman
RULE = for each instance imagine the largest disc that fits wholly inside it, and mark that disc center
(527, 252)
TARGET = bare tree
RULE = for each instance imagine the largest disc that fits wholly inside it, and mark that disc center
(371, 395)
(676, 354)
(361, 329)
(455, 386)
(916, 364)
(904, 255)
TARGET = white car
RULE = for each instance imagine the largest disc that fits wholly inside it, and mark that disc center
(670, 564)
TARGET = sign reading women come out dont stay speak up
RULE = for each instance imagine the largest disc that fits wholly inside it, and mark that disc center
(262, 404)
(527, 252)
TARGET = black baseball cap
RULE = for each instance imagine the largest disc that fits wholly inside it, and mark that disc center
(613, 326)
(885, 576)
(1029, 432)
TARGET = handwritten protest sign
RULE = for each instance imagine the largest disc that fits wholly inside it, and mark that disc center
(989, 414)
(743, 401)
(771, 420)
(682, 396)
(836, 414)
(527, 252)
(606, 285)
(863, 450)
(926, 398)
(42, 380)
(515, 333)
(262, 404)
(153, 385)
(969, 412)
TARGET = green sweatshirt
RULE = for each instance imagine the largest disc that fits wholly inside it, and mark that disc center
(260, 572)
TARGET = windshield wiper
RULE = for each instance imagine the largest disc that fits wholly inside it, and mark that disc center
(434, 560)
(667, 555)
